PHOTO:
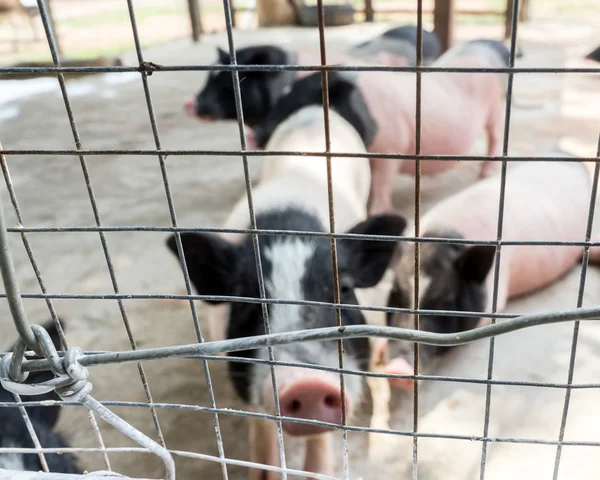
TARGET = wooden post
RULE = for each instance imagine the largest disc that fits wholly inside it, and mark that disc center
(52, 24)
(232, 9)
(508, 19)
(525, 10)
(195, 20)
(443, 22)
(369, 12)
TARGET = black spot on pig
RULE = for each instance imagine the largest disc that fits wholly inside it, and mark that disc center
(344, 97)
(14, 433)
(294, 268)
(499, 48)
(259, 90)
(432, 47)
(401, 41)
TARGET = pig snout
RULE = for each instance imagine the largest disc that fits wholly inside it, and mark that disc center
(251, 139)
(202, 110)
(190, 107)
(395, 366)
(307, 395)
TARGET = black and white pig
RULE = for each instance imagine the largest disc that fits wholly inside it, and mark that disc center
(456, 108)
(260, 90)
(14, 433)
(292, 195)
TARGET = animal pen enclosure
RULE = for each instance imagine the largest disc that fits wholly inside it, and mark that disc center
(71, 365)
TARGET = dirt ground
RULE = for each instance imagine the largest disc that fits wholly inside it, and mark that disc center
(550, 111)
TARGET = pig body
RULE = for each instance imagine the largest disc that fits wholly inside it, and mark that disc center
(455, 109)
(546, 201)
(260, 90)
(292, 195)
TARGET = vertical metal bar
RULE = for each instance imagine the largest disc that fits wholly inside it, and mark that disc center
(369, 11)
(443, 22)
(490, 370)
(49, 303)
(334, 260)
(253, 226)
(195, 19)
(417, 259)
(11, 287)
(92, 197)
(171, 205)
(582, 278)
(32, 434)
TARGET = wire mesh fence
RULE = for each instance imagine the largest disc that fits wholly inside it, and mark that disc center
(68, 365)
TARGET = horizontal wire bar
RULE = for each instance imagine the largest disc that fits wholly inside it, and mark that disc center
(330, 333)
(350, 428)
(302, 233)
(287, 153)
(274, 301)
(181, 453)
(151, 68)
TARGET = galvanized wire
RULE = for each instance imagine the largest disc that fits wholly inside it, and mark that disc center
(330, 333)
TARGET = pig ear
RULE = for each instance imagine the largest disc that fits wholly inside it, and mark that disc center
(474, 264)
(224, 57)
(369, 259)
(210, 262)
(340, 87)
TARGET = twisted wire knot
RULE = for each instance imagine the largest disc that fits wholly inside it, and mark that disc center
(70, 380)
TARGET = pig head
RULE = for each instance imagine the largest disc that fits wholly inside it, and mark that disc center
(295, 268)
(259, 90)
(452, 278)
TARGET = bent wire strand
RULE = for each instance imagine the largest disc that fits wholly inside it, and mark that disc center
(74, 377)
(330, 333)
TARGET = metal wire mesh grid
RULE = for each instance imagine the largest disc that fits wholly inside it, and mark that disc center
(203, 350)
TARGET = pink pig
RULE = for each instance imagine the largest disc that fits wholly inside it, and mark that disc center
(455, 109)
(546, 201)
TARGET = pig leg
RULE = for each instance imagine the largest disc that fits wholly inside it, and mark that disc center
(494, 129)
(383, 173)
(264, 448)
(319, 454)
